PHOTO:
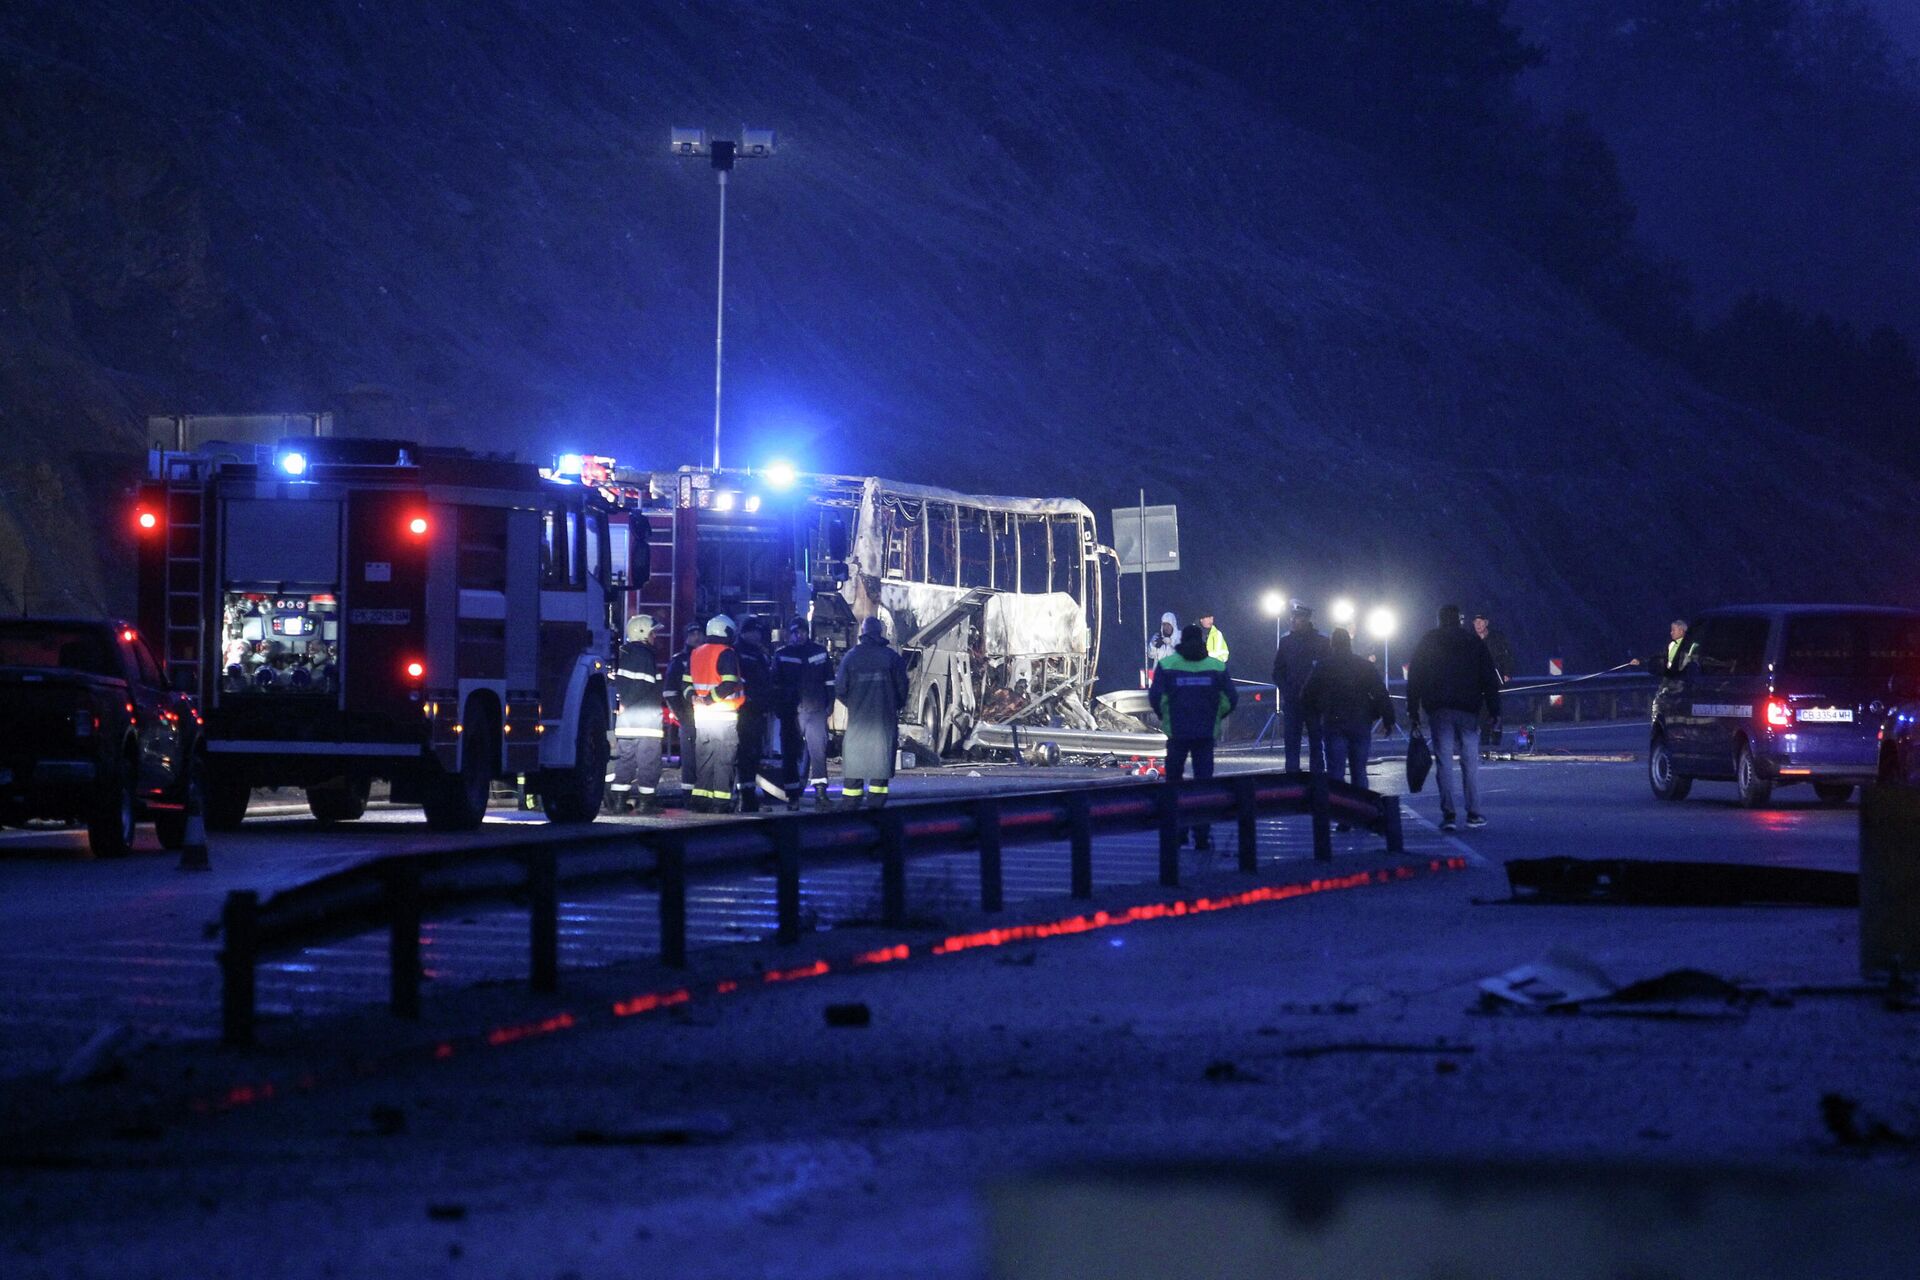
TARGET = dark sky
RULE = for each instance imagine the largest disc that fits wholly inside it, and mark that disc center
(1903, 21)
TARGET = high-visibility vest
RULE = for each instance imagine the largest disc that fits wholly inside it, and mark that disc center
(1216, 644)
(715, 675)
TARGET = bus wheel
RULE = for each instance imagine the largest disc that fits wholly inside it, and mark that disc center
(227, 799)
(341, 801)
(573, 795)
(458, 801)
(930, 723)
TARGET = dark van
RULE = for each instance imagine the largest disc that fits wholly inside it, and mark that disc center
(1773, 695)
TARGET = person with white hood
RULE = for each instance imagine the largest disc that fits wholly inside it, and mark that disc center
(1163, 641)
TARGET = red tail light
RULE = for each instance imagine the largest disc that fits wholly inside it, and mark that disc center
(418, 526)
(416, 670)
(146, 520)
(1779, 714)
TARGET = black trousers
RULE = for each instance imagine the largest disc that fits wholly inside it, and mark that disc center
(753, 748)
(1200, 751)
(1295, 721)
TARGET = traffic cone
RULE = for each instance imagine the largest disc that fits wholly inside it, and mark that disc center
(193, 850)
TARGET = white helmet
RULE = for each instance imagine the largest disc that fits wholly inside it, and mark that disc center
(720, 626)
(640, 628)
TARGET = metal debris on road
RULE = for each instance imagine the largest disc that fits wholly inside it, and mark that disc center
(1638, 882)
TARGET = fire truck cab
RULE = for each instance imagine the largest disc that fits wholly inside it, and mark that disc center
(351, 609)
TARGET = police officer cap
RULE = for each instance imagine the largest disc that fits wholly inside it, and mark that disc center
(873, 629)
(1301, 609)
(640, 627)
(720, 626)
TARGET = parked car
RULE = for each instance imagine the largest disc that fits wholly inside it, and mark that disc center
(89, 731)
(1775, 695)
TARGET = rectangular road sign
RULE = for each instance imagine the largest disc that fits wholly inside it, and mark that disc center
(1158, 537)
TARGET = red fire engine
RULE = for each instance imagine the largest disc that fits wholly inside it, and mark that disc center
(352, 609)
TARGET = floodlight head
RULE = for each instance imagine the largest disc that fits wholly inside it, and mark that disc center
(1273, 603)
(1342, 611)
(756, 142)
(689, 142)
(1381, 622)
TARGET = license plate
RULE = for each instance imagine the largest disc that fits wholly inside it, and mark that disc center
(1825, 715)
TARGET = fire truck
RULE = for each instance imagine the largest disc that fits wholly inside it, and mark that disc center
(353, 609)
(994, 601)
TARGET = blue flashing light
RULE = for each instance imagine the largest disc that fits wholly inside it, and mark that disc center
(570, 464)
(294, 464)
(780, 475)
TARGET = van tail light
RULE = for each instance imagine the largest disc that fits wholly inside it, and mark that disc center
(1779, 714)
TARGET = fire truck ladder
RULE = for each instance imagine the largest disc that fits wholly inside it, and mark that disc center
(186, 551)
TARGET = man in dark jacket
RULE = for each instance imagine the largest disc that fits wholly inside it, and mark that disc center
(1192, 694)
(872, 681)
(676, 688)
(756, 677)
(1293, 661)
(1345, 695)
(637, 733)
(1502, 654)
(803, 682)
(1449, 680)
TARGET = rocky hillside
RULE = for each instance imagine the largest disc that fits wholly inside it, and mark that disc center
(996, 251)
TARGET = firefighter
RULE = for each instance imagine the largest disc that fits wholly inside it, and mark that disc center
(872, 681)
(756, 678)
(678, 691)
(717, 696)
(803, 682)
(638, 736)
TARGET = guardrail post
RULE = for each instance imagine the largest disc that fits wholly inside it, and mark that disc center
(543, 903)
(986, 826)
(786, 879)
(403, 938)
(893, 870)
(239, 926)
(670, 860)
(1080, 843)
(1244, 806)
(1322, 818)
(1390, 823)
(1170, 834)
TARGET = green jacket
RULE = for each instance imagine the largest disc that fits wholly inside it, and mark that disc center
(1192, 695)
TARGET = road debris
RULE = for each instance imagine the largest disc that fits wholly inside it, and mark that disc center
(1558, 979)
(1370, 1046)
(99, 1058)
(1639, 882)
(1852, 1128)
(1226, 1071)
(852, 1014)
(673, 1129)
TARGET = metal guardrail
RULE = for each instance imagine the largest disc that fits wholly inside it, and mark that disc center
(399, 891)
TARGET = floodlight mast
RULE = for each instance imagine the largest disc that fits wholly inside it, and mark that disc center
(722, 152)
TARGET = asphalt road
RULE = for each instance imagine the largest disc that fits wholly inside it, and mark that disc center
(1339, 1023)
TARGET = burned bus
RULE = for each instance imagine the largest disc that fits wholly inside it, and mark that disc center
(994, 601)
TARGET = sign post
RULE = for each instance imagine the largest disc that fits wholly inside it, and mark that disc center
(1146, 540)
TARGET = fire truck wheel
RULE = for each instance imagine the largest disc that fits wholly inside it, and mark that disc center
(227, 802)
(573, 795)
(110, 819)
(341, 801)
(458, 801)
